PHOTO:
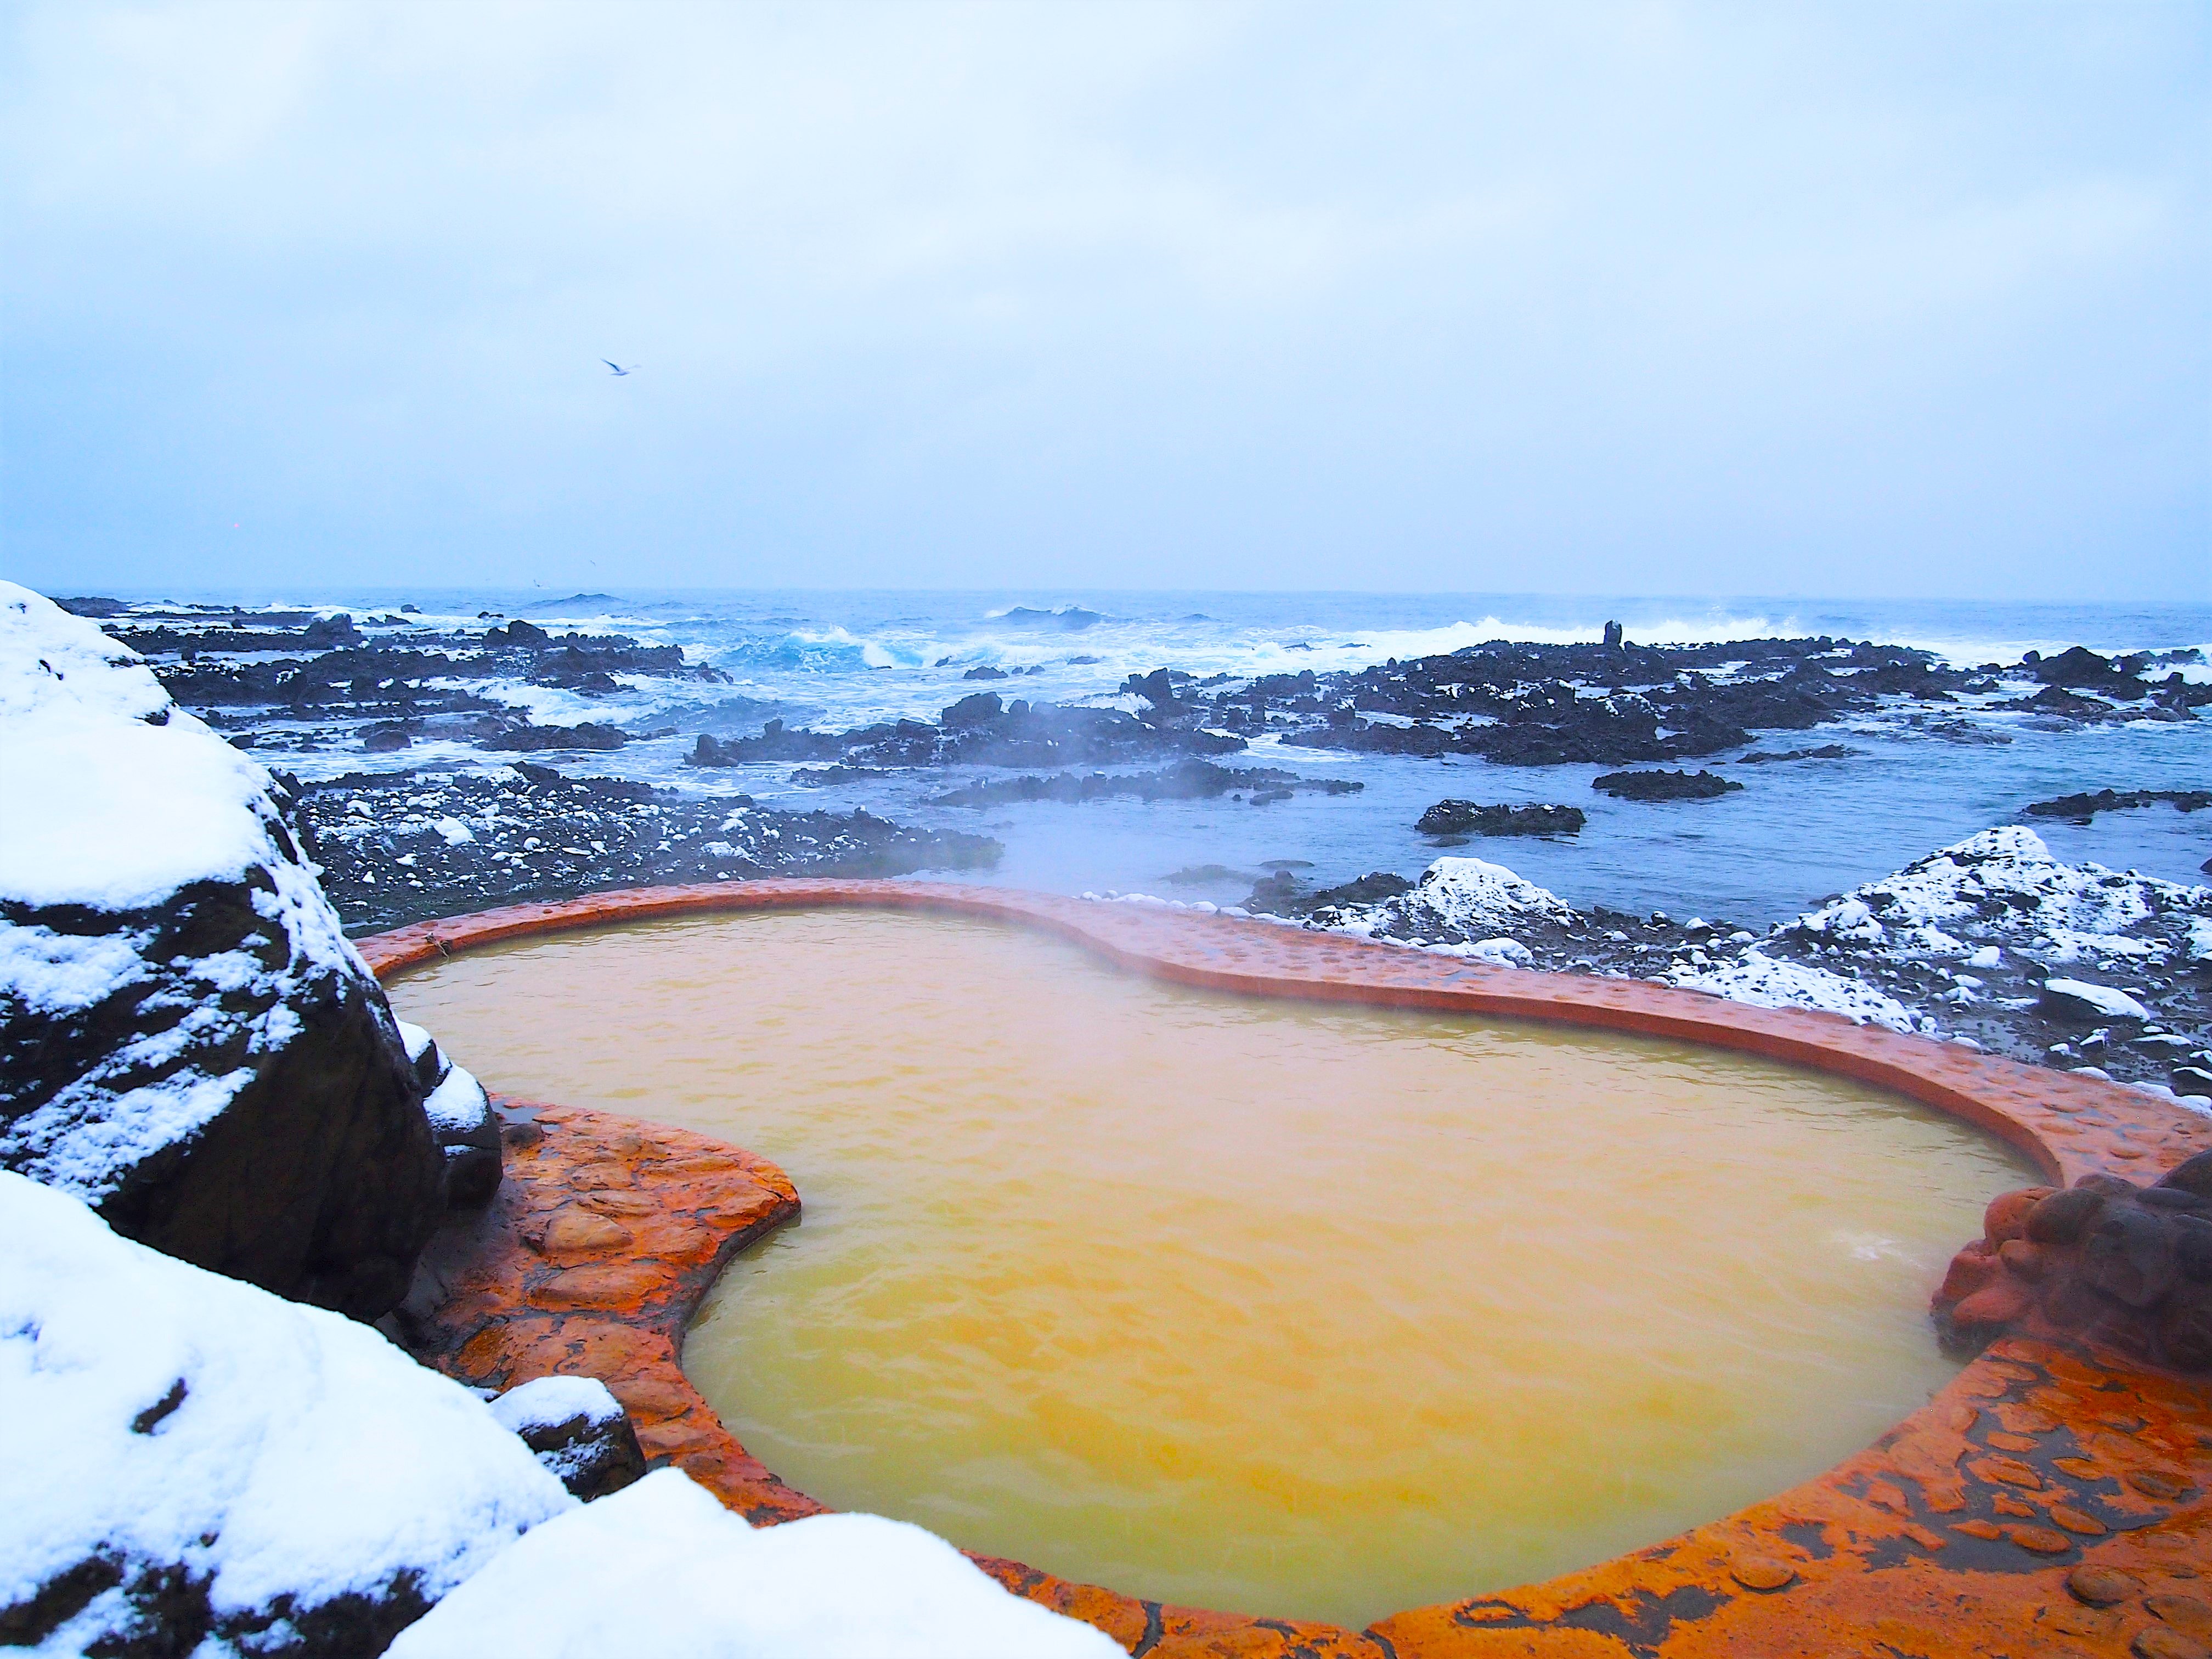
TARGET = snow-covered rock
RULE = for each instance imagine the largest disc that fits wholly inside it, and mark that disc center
(2004, 884)
(461, 1119)
(2079, 998)
(1767, 982)
(1973, 936)
(579, 1431)
(1457, 900)
(199, 1466)
(660, 1570)
(191, 1046)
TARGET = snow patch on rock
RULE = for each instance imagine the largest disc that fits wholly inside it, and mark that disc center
(1457, 900)
(547, 1401)
(2107, 1000)
(660, 1570)
(120, 799)
(118, 796)
(2005, 881)
(1765, 982)
(458, 1104)
(270, 1462)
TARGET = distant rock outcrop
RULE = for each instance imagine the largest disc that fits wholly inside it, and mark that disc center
(1664, 785)
(1467, 817)
(188, 1044)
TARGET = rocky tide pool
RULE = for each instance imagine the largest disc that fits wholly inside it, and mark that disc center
(1315, 1311)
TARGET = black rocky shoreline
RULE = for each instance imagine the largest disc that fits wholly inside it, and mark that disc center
(397, 847)
(402, 845)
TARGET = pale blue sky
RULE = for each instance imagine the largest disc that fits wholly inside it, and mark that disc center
(1852, 299)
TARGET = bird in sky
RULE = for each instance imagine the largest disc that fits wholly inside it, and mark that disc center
(617, 367)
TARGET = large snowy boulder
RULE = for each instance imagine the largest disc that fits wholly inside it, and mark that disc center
(191, 1465)
(660, 1570)
(187, 1040)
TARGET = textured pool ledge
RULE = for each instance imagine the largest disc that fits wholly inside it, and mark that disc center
(2051, 1499)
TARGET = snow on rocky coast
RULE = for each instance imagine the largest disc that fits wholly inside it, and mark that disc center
(1992, 941)
(209, 1123)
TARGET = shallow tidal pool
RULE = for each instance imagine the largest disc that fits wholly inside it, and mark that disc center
(1293, 1308)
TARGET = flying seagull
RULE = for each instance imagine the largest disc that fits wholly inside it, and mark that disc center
(617, 367)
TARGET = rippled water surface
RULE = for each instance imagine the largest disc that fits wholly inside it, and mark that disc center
(1303, 1310)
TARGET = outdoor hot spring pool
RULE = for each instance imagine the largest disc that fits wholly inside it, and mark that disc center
(1312, 1311)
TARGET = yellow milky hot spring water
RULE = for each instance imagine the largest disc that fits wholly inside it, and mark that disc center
(1302, 1309)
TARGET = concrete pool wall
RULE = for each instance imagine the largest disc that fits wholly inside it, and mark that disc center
(2050, 1500)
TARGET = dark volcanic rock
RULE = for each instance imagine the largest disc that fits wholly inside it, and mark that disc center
(980, 730)
(1825, 752)
(530, 738)
(1283, 894)
(2084, 807)
(1465, 818)
(1194, 780)
(2079, 667)
(1533, 705)
(1664, 785)
(2080, 1009)
(301, 1160)
(397, 847)
(774, 744)
(398, 676)
(187, 1043)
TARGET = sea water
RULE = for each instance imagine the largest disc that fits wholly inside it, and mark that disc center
(1798, 831)
(1295, 1309)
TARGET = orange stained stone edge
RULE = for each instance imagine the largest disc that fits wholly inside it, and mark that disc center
(2053, 1499)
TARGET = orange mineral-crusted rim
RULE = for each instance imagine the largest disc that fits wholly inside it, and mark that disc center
(2053, 1499)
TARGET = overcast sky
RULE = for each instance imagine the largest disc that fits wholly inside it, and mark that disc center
(1848, 300)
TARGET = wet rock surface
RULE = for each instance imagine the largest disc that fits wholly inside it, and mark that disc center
(326, 663)
(590, 1261)
(2083, 806)
(2106, 1260)
(1193, 780)
(1663, 785)
(1534, 705)
(1467, 817)
(982, 729)
(1823, 751)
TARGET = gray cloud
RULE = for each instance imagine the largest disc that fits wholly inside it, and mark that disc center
(1851, 299)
